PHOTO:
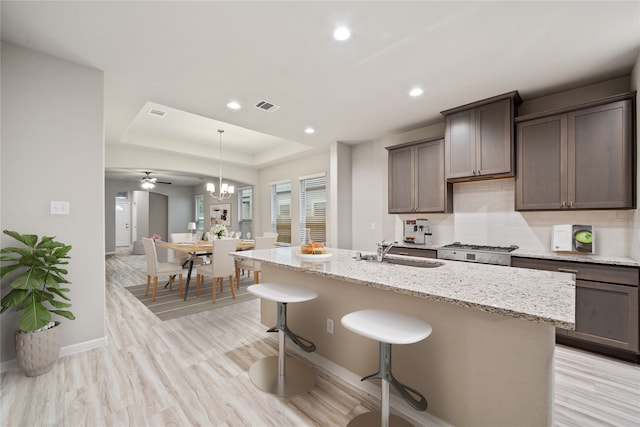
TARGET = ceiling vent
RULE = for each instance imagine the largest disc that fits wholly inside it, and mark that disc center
(267, 106)
(155, 112)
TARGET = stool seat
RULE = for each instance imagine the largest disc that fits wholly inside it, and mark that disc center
(280, 292)
(387, 326)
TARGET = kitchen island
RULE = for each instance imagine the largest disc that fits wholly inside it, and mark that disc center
(489, 360)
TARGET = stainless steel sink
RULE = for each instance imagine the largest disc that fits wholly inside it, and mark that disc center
(409, 261)
(426, 263)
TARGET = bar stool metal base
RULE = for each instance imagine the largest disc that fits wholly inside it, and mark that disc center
(300, 377)
(372, 419)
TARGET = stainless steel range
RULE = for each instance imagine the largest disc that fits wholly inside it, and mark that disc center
(498, 255)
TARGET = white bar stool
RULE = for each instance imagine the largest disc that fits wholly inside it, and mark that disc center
(282, 375)
(387, 328)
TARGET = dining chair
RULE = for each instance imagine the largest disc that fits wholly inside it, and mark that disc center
(221, 266)
(252, 265)
(181, 257)
(155, 268)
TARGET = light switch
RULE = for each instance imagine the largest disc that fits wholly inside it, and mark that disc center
(373, 225)
(59, 207)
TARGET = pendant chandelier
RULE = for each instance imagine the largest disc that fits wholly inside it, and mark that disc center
(224, 190)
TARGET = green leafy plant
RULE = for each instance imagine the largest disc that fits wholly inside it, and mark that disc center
(37, 281)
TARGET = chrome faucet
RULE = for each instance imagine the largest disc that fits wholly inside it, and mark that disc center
(382, 251)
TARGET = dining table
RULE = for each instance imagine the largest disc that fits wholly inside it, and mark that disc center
(199, 248)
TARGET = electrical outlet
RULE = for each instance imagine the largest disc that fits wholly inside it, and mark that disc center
(373, 225)
(330, 326)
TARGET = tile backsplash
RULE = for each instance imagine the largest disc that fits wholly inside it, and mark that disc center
(484, 213)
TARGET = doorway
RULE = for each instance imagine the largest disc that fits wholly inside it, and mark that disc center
(123, 221)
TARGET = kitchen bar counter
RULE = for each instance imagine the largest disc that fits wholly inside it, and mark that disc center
(489, 360)
(539, 296)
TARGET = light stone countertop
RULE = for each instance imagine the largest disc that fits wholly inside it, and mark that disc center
(533, 295)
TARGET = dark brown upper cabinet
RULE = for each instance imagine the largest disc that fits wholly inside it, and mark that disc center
(580, 158)
(479, 139)
(416, 178)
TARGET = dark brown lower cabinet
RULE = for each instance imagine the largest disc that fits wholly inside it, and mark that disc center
(607, 318)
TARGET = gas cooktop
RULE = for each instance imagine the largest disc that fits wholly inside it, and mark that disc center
(458, 245)
(498, 255)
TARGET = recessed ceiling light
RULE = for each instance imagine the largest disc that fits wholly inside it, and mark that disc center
(233, 105)
(341, 33)
(309, 130)
(416, 91)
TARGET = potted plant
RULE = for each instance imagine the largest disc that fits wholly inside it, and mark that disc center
(36, 280)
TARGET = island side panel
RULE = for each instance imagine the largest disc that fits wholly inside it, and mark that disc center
(476, 368)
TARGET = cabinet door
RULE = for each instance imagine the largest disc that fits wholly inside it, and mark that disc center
(494, 138)
(607, 314)
(430, 184)
(401, 180)
(460, 144)
(542, 163)
(601, 157)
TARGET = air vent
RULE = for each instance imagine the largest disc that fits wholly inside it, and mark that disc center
(267, 106)
(158, 113)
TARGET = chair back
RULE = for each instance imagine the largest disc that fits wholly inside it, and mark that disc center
(222, 264)
(265, 242)
(172, 256)
(151, 254)
(270, 234)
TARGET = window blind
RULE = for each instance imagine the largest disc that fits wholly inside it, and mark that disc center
(313, 207)
(281, 211)
(245, 211)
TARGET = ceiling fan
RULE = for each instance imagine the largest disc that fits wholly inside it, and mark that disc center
(149, 182)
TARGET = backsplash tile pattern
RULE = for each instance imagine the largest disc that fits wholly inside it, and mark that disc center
(484, 213)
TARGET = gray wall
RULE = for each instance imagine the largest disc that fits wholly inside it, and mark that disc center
(180, 202)
(52, 149)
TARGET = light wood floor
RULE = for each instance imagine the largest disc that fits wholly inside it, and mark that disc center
(192, 371)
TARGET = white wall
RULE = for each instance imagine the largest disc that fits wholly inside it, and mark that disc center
(52, 149)
(371, 222)
(340, 195)
(312, 164)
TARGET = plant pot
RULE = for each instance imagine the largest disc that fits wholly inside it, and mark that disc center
(36, 352)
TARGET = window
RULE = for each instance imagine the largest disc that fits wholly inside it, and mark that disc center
(281, 211)
(200, 212)
(245, 211)
(313, 207)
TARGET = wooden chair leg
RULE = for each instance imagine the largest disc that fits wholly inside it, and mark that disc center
(214, 282)
(180, 285)
(146, 292)
(155, 287)
(256, 277)
(233, 291)
(221, 285)
(237, 275)
(171, 283)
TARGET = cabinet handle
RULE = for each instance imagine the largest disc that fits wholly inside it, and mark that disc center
(403, 253)
(567, 270)
(571, 203)
(564, 204)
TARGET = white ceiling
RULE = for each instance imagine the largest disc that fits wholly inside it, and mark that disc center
(191, 58)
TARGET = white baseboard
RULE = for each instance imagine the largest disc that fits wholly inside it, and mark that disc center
(12, 365)
(397, 404)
